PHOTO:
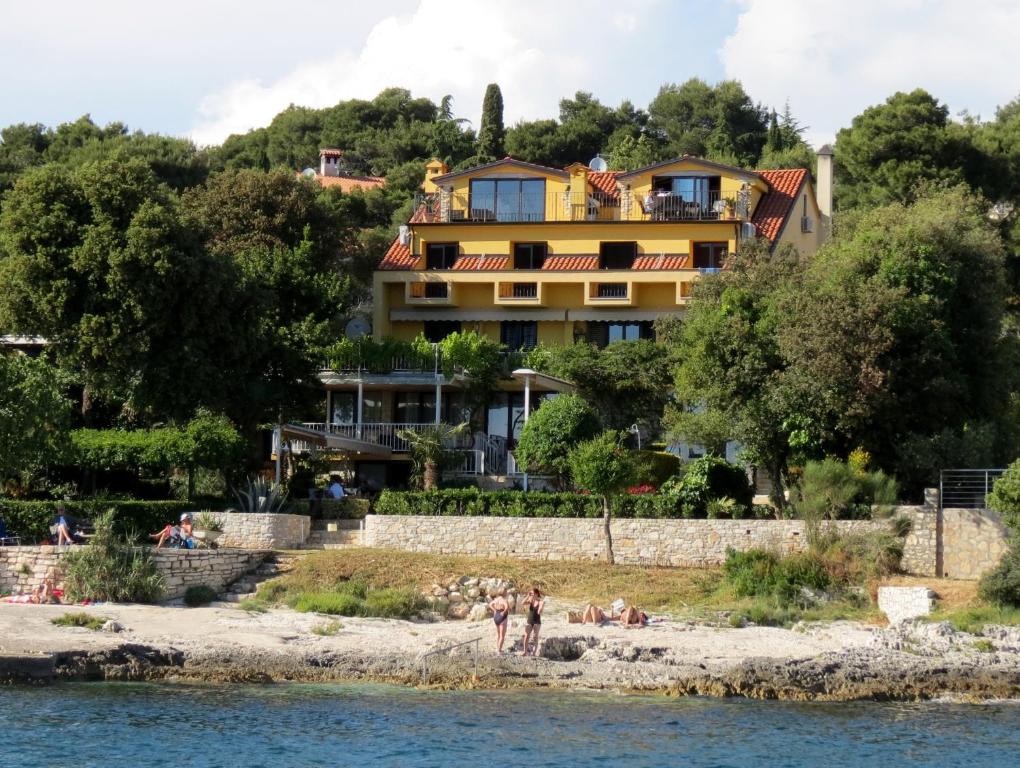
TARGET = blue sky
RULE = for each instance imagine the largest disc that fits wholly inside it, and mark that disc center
(206, 69)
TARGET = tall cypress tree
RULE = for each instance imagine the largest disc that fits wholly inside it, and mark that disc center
(491, 132)
(774, 138)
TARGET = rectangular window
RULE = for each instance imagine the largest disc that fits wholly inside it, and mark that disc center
(507, 200)
(518, 334)
(437, 330)
(684, 197)
(617, 255)
(602, 333)
(419, 407)
(440, 255)
(709, 256)
(371, 409)
(343, 408)
(529, 255)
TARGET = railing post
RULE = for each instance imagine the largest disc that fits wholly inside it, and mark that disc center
(361, 407)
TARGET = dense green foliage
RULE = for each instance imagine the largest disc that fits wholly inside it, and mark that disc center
(197, 595)
(491, 133)
(32, 519)
(710, 479)
(1005, 496)
(110, 568)
(352, 598)
(34, 417)
(833, 489)
(1001, 585)
(552, 431)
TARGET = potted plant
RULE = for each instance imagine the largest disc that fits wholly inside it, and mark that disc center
(729, 207)
(207, 528)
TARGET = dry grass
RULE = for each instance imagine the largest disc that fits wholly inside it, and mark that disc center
(653, 588)
(953, 595)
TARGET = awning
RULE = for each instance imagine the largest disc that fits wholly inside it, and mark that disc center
(610, 315)
(327, 440)
(477, 315)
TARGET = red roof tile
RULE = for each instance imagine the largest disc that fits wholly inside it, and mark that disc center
(775, 207)
(573, 263)
(348, 183)
(399, 256)
(605, 182)
(481, 263)
(661, 261)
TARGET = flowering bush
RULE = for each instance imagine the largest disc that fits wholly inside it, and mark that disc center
(636, 490)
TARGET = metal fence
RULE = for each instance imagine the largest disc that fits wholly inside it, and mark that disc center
(967, 488)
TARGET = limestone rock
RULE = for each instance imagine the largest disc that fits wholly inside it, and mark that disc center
(112, 626)
(478, 612)
(455, 597)
(458, 611)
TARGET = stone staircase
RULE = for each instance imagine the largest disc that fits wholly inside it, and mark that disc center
(348, 534)
(244, 588)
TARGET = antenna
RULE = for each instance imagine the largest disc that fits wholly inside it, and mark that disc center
(598, 164)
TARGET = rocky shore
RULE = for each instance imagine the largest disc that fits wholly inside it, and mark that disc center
(835, 662)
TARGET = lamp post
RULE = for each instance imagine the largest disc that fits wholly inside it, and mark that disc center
(525, 374)
(636, 430)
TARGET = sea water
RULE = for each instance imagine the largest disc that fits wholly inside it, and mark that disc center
(117, 724)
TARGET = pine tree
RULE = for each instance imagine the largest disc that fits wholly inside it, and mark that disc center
(491, 132)
(774, 138)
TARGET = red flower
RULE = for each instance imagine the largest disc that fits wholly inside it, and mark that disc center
(636, 490)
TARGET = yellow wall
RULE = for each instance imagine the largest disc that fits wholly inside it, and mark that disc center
(805, 242)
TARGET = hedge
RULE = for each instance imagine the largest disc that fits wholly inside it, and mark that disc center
(32, 519)
(469, 502)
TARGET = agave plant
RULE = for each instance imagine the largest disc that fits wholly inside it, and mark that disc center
(261, 496)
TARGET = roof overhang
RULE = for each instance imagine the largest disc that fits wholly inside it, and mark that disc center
(508, 162)
(336, 442)
(731, 170)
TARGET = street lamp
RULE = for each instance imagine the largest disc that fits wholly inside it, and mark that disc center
(525, 374)
(636, 430)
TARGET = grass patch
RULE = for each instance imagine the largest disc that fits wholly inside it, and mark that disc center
(327, 628)
(252, 605)
(333, 603)
(984, 645)
(80, 619)
(975, 618)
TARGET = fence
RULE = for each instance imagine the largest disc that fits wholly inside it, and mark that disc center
(966, 488)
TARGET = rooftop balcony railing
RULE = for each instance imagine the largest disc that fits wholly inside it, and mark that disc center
(707, 206)
(520, 208)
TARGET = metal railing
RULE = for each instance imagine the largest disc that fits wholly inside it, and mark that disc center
(524, 291)
(521, 208)
(382, 433)
(437, 291)
(708, 206)
(967, 488)
(611, 291)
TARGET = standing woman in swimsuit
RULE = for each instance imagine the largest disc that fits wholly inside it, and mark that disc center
(501, 617)
(535, 604)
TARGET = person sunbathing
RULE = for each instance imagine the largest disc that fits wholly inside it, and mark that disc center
(594, 615)
(632, 617)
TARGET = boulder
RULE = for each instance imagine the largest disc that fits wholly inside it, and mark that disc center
(112, 626)
(458, 611)
(455, 597)
(473, 593)
(478, 612)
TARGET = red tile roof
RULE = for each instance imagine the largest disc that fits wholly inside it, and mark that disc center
(775, 207)
(481, 263)
(398, 257)
(573, 263)
(422, 214)
(605, 182)
(650, 261)
(348, 183)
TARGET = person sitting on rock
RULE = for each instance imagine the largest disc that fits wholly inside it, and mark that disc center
(176, 535)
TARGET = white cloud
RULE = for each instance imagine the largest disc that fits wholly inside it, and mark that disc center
(833, 58)
(537, 52)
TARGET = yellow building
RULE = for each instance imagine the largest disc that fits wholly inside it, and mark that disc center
(528, 254)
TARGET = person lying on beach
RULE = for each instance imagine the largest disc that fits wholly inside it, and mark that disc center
(632, 617)
(501, 618)
(44, 593)
(594, 615)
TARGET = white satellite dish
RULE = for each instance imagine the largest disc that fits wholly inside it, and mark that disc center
(309, 173)
(598, 164)
(357, 328)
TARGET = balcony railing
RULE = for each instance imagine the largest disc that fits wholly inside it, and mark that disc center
(611, 291)
(524, 291)
(384, 433)
(521, 208)
(709, 206)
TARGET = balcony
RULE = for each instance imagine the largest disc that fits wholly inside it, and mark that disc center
(519, 294)
(429, 292)
(456, 208)
(608, 294)
(384, 434)
(708, 206)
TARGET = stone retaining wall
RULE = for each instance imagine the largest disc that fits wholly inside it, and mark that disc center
(250, 530)
(22, 569)
(687, 543)
(973, 541)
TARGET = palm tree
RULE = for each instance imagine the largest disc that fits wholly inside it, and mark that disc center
(428, 449)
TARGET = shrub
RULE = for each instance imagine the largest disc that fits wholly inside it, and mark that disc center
(711, 478)
(835, 490)
(1001, 585)
(656, 467)
(1005, 496)
(80, 619)
(109, 568)
(327, 628)
(557, 426)
(200, 594)
(393, 603)
(333, 603)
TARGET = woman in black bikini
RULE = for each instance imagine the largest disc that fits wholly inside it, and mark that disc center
(501, 617)
(535, 604)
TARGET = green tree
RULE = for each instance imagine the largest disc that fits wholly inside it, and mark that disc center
(552, 430)
(34, 418)
(491, 133)
(602, 466)
(430, 450)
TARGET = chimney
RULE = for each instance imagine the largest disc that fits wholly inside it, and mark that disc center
(823, 188)
(433, 168)
(578, 195)
(329, 162)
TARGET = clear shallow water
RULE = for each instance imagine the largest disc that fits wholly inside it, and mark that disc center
(339, 725)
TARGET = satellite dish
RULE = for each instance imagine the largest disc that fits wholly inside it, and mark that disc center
(309, 173)
(357, 328)
(598, 164)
